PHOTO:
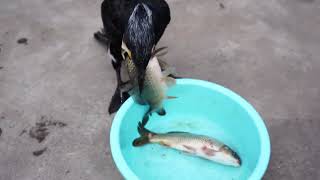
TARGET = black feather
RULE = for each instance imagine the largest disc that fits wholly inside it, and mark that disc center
(115, 15)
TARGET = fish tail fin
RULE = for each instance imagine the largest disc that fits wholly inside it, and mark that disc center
(140, 141)
(145, 136)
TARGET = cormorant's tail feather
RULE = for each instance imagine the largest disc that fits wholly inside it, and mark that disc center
(102, 37)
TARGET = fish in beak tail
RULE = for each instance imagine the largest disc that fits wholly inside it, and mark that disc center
(145, 136)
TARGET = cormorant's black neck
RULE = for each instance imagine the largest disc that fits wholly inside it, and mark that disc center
(139, 34)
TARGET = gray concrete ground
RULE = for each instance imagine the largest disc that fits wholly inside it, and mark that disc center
(267, 51)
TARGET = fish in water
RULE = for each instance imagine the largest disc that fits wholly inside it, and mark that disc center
(198, 145)
(155, 84)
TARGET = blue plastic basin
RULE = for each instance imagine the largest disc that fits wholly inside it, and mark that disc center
(202, 108)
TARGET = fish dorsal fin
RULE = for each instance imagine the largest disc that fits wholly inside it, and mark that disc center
(168, 70)
(157, 52)
(169, 81)
(171, 132)
(171, 97)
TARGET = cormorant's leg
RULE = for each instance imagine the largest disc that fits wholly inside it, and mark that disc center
(119, 96)
(117, 67)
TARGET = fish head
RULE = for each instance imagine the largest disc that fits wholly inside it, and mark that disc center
(139, 40)
(228, 157)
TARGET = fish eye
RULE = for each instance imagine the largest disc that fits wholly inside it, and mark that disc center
(125, 51)
(125, 54)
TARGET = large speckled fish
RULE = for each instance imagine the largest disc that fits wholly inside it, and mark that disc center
(155, 85)
(198, 145)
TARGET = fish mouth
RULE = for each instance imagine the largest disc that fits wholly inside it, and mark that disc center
(236, 157)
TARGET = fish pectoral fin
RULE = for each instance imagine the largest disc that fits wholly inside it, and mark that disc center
(190, 149)
(169, 70)
(171, 97)
(168, 80)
